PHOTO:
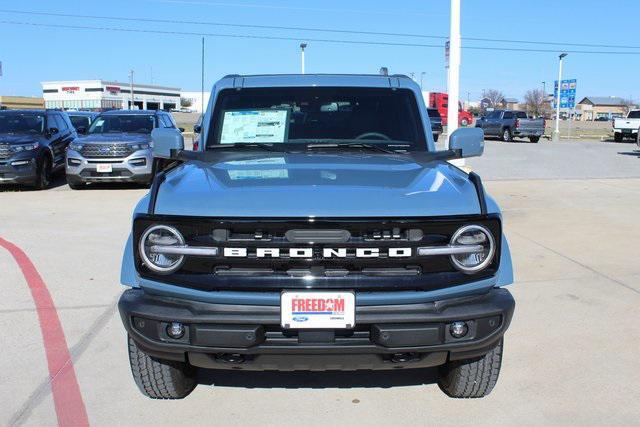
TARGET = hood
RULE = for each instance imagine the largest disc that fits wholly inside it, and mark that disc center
(115, 138)
(18, 138)
(317, 185)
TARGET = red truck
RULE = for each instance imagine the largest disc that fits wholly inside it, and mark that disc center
(440, 101)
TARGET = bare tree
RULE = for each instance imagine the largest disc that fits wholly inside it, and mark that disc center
(627, 105)
(536, 103)
(495, 97)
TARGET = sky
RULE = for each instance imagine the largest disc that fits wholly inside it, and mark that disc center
(31, 54)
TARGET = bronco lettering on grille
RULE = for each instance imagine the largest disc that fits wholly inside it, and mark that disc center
(324, 253)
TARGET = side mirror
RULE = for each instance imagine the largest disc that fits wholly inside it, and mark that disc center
(470, 141)
(81, 130)
(53, 131)
(164, 140)
(197, 128)
(181, 129)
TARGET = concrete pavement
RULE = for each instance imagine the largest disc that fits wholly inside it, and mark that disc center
(570, 355)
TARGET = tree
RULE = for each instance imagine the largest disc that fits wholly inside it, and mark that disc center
(186, 102)
(627, 105)
(495, 97)
(536, 103)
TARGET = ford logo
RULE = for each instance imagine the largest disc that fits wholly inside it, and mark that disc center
(105, 150)
(300, 319)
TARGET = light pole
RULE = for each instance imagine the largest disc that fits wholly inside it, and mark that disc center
(131, 88)
(303, 46)
(544, 89)
(454, 71)
(422, 78)
(556, 132)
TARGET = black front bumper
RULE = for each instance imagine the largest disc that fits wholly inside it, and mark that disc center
(222, 336)
(18, 170)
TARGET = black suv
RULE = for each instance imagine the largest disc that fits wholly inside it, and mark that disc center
(33, 145)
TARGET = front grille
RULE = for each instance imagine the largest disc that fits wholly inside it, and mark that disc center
(314, 264)
(106, 150)
(5, 153)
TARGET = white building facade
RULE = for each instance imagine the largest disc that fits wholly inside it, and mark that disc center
(99, 95)
(196, 99)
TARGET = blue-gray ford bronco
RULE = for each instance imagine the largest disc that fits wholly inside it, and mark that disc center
(316, 227)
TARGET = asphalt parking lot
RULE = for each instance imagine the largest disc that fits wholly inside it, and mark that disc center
(571, 215)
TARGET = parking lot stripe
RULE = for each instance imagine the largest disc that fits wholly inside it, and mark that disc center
(70, 408)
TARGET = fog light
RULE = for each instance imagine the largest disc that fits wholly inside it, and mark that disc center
(458, 329)
(20, 162)
(175, 330)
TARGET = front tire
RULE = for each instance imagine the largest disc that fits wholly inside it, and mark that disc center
(534, 139)
(617, 137)
(45, 173)
(506, 135)
(158, 378)
(435, 137)
(471, 378)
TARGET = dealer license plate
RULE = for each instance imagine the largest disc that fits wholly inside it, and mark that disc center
(104, 167)
(317, 310)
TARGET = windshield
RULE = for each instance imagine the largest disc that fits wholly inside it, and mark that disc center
(21, 123)
(634, 114)
(80, 121)
(126, 123)
(310, 115)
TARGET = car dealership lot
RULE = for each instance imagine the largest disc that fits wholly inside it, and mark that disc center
(571, 215)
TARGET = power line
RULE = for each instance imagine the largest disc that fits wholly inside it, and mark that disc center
(314, 29)
(220, 24)
(284, 38)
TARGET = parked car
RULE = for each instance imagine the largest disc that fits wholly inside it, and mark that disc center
(509, 124)
(626, 127)
(116, 148)
(436, 123)
(32, 145)
(81, 120)
(317, 228)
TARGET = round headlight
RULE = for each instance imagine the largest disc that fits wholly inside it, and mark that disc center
(474, 260)
(152, 243)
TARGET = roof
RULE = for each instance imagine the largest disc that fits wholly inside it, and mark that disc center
(318, 80)
(603, 100)
(128, 112)
(511, 100)
(34, 110)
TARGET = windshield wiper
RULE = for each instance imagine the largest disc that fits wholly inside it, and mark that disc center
(351, 146)
(260, 145)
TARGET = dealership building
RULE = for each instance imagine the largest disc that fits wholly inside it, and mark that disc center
(101, 95)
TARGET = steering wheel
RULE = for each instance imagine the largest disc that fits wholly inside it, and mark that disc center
(377, 135)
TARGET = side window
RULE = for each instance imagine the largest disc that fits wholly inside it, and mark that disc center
(55, 121)
(508, 115)
(521, 115)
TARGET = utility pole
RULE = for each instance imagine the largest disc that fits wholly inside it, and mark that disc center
(421, 79)
(202, 80)
(556, 132)
(303, 46)
(131, 88)
(544, 89)
(454, 70)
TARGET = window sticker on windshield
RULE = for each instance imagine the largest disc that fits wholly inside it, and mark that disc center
(254, 126)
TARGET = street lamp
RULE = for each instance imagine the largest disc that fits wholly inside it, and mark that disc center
(303, 46)
(556, 132)
(422, 78)
(544, 88)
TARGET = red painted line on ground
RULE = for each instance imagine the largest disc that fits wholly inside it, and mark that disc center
(68, 401)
